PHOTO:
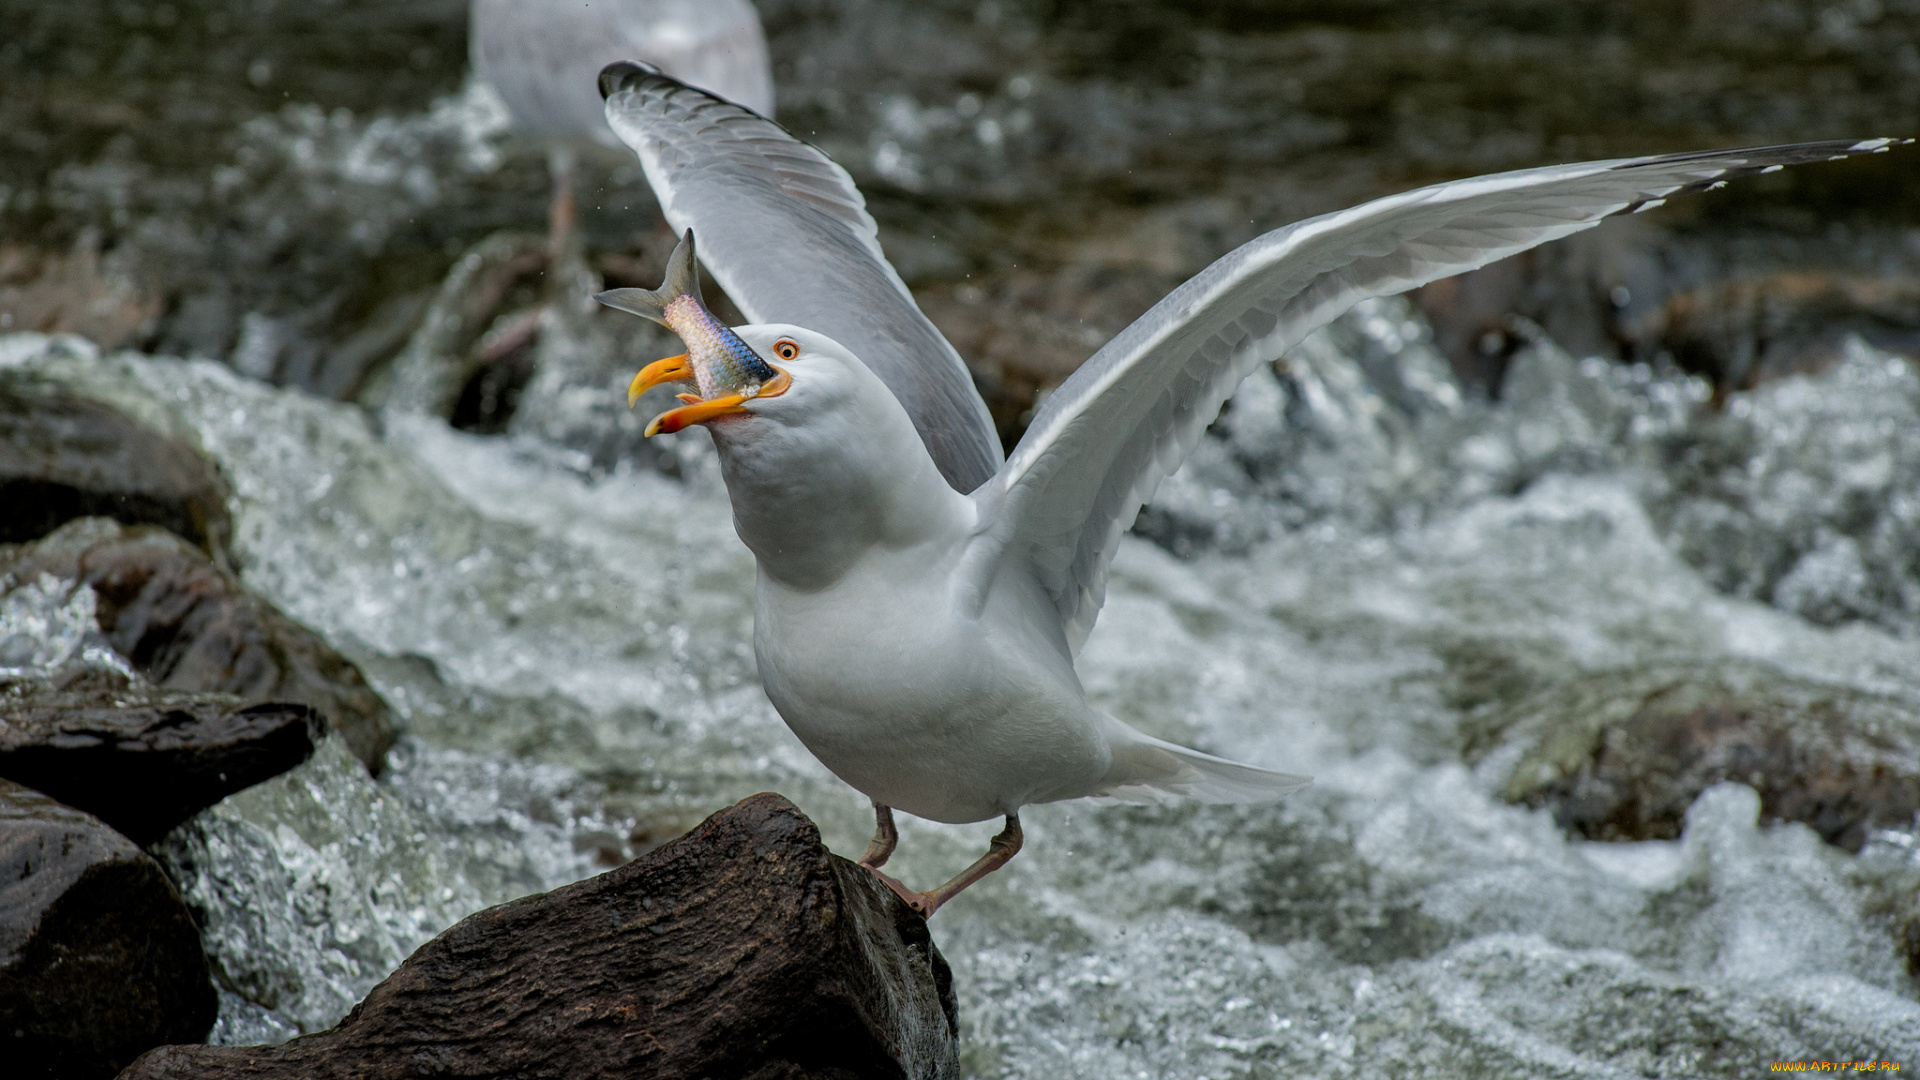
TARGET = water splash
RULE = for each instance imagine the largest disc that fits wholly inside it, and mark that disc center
(312, 887)
(521, 611)
(48, 632)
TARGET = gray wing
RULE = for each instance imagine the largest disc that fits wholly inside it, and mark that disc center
(1103, 441)
(542, 57)
(785, 232)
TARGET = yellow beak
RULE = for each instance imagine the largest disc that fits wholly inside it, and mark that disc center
(672, 369)
(699, 412)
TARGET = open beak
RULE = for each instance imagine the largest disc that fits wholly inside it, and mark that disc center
(672, 369)
(697, 411)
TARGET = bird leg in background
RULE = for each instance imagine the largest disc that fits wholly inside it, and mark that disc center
(560, 213)
(885, 836)
(1003, 847)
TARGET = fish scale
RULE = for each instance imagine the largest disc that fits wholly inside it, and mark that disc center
(722, 363)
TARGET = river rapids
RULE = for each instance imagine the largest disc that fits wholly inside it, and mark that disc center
(1370, 566)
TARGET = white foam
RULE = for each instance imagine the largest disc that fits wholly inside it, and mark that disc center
(1397, 917)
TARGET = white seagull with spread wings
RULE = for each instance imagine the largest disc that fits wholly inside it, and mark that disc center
(919, 600)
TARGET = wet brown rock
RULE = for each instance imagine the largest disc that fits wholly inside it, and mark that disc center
(144, 760)
(99, 959)
(77, 292)
(187, 625)
(64, 457)
(1030, 330)
(1621, 755)
(742, 949)
(1583, 292)
(1746, 332)
(1605, 294)
(453, 347)
(1472, 314)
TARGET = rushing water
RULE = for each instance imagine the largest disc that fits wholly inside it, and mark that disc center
(568, 649)
(1372, 571)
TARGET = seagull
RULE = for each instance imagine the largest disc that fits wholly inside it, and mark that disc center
(541, 57)
(919, 601)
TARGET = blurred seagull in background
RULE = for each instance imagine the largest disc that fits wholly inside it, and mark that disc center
(920, 601)
(542, 57)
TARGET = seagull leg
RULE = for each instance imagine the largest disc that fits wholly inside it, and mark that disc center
(560, 213)
(1002, 848)
(885, 837)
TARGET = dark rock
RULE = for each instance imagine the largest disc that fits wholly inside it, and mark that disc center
(1910, 946)
(1621, 755)
(1750, 331)
(742, 949)
(1030, 331)
(454, 349)
(64, 457)
(188, 625)
(1635, 293)
(99, 959)
(1472, 315)
(145, 760)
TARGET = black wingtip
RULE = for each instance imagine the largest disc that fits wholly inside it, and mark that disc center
(632, 74)
(1747, 161)
(620, 74)
(1766, 158)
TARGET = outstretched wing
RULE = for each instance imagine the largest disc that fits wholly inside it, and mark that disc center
(1103, 441)
(785, 232)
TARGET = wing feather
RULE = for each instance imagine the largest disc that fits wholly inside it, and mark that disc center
(1104, 440)
(783, 229)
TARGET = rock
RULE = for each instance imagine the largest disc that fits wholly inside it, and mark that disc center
(1026, 335)
(188, 625)
(64, 457)
(1910, 946)
(1753, 330)
(1472, 315)
(451, 350)
(99, 959)
(76, 292)
(744, 948)
(145, 760)
(1620, 755)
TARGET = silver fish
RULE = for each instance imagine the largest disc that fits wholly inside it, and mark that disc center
(720, 363)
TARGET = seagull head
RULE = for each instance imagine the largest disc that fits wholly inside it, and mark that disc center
(811, 374)
(726, 369)
(786, 374)
(820, 459)
(823, 470)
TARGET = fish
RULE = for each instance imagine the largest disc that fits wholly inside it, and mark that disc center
(716, 361)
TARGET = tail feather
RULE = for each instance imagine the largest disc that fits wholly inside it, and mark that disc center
(1145, 767)
(683, 279)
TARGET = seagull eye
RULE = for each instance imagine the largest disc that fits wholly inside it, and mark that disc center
(785, 350)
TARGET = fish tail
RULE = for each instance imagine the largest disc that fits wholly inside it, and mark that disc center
(683, 279)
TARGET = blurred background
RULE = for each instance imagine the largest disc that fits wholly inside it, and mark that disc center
(284, 185)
